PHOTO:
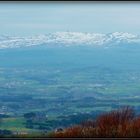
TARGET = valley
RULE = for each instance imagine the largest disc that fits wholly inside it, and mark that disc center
(65, 86)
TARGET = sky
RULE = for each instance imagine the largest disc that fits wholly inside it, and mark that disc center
(26, 19)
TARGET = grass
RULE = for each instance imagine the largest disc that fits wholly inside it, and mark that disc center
(14, 124)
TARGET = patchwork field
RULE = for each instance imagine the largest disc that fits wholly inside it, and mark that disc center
(58, 87)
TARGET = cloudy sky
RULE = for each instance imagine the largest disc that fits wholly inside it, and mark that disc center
(25, 19)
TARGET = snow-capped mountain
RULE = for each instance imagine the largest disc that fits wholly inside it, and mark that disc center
(69, 38)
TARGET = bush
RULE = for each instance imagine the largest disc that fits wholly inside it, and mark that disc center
(120, 123)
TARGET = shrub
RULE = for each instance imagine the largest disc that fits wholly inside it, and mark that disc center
(119, 123)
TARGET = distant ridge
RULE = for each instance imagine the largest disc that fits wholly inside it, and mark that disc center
(70, 38)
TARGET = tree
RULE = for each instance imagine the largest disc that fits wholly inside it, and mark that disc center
(30, 115)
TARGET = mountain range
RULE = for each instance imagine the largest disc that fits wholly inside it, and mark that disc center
(70, 38)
